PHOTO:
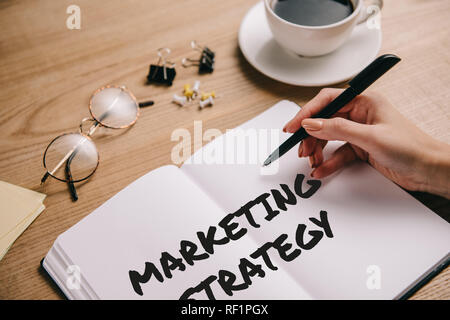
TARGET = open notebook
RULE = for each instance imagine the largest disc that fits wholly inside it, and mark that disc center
(221, 230)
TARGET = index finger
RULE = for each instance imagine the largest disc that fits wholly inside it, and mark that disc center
(324, 97)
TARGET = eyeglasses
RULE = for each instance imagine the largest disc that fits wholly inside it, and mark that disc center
(73, 157)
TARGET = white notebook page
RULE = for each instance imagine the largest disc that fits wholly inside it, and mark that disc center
(150, 216)
(377, 226)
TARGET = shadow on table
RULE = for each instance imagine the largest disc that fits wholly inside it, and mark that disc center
(50, 281)
(279, 89)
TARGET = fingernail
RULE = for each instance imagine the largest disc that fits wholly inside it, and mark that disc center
(312, 124)
(284, 129)
(289, 128)
(313, 172)
(300, 151)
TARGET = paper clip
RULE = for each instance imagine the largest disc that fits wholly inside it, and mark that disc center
(206, 61)
(204, 50)
(161, 73)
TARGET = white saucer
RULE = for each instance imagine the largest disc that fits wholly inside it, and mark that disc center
(261, 51)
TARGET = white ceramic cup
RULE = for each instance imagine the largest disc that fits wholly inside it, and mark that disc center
(310, 41)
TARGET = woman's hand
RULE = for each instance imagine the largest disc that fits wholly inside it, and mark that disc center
(377, 133)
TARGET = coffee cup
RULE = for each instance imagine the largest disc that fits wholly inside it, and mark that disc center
(310, 41)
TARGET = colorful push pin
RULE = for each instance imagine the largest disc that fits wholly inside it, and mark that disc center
(207, 95)
(196, 88)
(188, 92)
(206, 103)
(181, 101)
(161, 73)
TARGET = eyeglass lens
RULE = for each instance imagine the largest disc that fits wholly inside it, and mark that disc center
(114, 107)
(73, 154)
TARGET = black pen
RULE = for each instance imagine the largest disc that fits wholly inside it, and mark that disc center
(357, 85)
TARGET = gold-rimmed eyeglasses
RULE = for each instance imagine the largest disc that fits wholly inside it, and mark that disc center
(73, 157)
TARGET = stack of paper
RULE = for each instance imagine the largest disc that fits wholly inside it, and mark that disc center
(18, 209)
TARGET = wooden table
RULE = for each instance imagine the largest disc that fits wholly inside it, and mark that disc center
(48, 72)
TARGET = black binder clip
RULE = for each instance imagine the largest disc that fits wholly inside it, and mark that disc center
(205, 63)
(161, 73)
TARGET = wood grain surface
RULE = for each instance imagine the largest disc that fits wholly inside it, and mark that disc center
(48, 72)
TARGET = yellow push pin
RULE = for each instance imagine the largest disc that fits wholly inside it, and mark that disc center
(205, 96)
(188, 92)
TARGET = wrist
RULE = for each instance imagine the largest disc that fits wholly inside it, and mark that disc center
(437, 170)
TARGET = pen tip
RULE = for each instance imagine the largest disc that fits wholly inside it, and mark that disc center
(267, 162)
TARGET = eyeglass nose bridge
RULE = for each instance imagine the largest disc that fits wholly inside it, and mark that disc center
(91, 129)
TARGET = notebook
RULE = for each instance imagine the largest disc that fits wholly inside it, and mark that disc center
(214, 229)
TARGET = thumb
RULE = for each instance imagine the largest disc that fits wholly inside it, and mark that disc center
(339, 129)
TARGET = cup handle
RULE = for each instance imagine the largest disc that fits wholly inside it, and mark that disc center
(369, 10)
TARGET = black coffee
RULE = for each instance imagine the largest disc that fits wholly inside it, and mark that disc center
(313, 12)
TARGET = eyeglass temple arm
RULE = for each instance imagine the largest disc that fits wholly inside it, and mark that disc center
(146, 104)
(73, 191)
(44, 177)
